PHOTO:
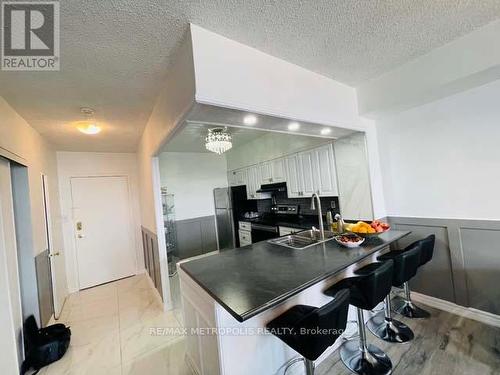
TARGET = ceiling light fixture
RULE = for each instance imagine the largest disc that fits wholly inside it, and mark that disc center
(88, 126)
(293, 126)
(250, 120)
(326, 131)
(218, 140)
(90, 129)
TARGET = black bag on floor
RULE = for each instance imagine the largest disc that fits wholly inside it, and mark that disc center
(45, 345)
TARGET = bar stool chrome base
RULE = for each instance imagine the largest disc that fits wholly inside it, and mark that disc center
(384, 327)
(409, 310)
(406, 307)
(308, 365)
(390, 330)
(362, 358)
(373, 361)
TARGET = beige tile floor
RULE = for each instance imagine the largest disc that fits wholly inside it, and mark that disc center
(111, 335)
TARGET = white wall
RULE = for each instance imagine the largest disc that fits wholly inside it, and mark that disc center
(442, 160)
(464, 63)
(353, 174)
(192, 177)
(269, 146)
(80, 164)
(21, 143)
(233, 75)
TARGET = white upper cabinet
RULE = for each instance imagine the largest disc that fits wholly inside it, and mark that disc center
(253, 182)
(300, 174)
(231, 178)
(293, 176)
(326, 177)
(278, 170)
(309, 171)
(237, 177)
(273, 171)
(266, 172)
(305, 173)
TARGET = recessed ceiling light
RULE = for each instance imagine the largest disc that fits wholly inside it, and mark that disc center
(326, 131)
(293, 126)
(250, 120)
(89, 128)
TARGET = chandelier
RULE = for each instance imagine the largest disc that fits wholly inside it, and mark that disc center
(218, 140)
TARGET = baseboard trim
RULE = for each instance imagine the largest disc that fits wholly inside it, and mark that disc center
(466, 312)
(156, 292)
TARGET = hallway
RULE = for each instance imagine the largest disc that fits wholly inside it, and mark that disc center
(111, 335)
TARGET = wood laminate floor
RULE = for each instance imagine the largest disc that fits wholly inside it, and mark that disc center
(443, 344)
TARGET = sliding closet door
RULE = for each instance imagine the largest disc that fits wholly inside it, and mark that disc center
(11, 346)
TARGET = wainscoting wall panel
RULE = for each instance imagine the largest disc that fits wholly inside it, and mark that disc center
(152, 258)
(466, 264)
(439, 271)
(195, 237)
(481, 249)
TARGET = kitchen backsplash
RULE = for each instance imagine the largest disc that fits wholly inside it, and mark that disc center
(264, 205)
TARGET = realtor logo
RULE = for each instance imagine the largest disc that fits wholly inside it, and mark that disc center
(30, 35)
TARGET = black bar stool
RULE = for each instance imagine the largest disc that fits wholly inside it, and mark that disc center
(382, 325)
(408, 308)
(368, 288)
(311, 330)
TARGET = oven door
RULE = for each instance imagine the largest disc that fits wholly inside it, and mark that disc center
(263, 232)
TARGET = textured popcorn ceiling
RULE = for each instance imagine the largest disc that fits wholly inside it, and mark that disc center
(115, 53)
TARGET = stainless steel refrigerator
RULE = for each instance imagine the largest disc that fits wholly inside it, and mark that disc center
(230, 204)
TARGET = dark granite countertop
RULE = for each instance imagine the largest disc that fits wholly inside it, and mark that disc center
(252, 279)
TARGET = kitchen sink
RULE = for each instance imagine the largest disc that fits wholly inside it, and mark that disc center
(302, 240)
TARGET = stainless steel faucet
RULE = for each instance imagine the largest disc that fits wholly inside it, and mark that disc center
(317, 206)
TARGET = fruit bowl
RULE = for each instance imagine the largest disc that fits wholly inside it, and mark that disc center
(349, 240)
(365, 230)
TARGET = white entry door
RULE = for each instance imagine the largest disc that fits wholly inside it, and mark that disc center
(57, 269)
(103, 230)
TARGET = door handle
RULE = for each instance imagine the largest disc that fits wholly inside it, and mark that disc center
(80, 235)
(54, 254)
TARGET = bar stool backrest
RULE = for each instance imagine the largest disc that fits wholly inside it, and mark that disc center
(372, 284)
(427, 249)
(406, 264)
(319, 329)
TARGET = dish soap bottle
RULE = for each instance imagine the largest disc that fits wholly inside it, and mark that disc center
(340, 223)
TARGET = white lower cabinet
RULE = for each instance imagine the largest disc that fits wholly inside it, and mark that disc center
(245, 238)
